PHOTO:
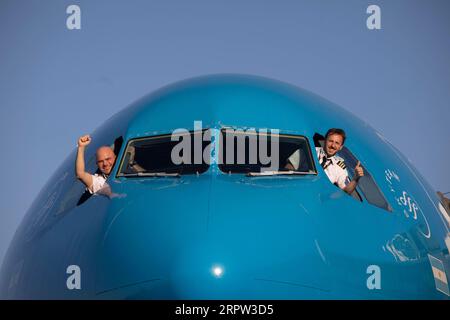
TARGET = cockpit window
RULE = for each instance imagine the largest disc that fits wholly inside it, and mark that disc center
(166, 155)
(367, 184)
(263, 153)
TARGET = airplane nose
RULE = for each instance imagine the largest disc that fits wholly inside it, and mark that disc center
(208, 246)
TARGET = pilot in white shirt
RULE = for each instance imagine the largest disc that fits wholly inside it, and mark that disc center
(105, 161)
(332, 164)
(98, 181)
(334, 167)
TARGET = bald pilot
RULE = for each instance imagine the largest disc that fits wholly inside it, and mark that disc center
(105, 162)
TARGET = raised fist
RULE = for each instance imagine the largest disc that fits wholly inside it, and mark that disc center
(84, 141)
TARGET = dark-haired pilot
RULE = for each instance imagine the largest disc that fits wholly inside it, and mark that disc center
(105, 162)
(332, 164)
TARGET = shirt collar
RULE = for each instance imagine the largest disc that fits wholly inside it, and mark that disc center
(323, 154)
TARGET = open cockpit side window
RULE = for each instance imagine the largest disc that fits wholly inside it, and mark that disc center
(366, 185)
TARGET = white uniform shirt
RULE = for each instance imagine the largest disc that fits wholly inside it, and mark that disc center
(98, 181)
(334, 168)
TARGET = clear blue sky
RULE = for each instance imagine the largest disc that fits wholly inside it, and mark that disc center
(56, 84)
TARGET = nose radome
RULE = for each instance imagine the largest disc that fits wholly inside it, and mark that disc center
(208, 245)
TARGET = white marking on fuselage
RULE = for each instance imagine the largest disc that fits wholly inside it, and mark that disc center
(418, 180)
(320, 251)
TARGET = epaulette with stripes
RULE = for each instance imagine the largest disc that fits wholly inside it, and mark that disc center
(341, 164)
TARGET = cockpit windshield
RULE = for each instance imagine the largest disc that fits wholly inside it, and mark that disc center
(166, 155)
(250, 152)
(263, 153)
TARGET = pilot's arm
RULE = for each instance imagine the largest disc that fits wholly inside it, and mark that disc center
(351, 186)
(84, 176)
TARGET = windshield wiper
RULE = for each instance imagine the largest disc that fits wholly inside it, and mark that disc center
(278, 173)
(152, 174)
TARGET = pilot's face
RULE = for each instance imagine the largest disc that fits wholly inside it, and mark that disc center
(333, 144)
(105, 159)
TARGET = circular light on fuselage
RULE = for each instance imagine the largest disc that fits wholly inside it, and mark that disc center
(217, 271)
